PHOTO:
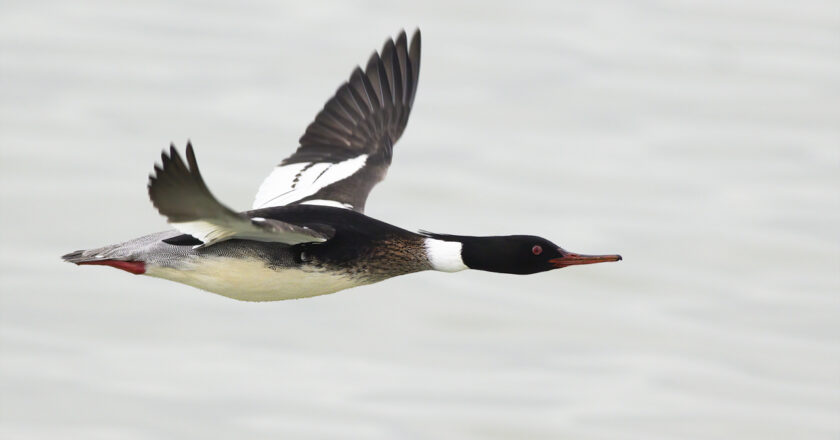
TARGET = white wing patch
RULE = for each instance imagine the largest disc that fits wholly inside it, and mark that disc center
(211, 232)
(205, 231)
(333, 203)
(293, 182)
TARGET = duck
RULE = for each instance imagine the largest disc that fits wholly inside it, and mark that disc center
(306, 233)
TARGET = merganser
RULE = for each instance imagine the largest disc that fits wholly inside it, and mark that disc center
(307, 233)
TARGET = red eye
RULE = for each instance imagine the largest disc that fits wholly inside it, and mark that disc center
(536, 250)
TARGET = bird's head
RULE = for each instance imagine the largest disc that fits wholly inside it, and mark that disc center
(518, 254)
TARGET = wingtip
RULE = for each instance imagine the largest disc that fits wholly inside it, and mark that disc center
(192, 162)
(166, 155)
(415, 40)
(401, 38)
(373, 61)
(415, 36)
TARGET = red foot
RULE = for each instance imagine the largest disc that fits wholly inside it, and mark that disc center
(135, 267)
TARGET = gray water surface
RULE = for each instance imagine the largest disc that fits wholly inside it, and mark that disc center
(701, 140)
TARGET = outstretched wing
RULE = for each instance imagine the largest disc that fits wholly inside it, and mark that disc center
(348, 148)
(180, 194)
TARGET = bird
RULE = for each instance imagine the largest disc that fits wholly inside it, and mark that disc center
(306, 233)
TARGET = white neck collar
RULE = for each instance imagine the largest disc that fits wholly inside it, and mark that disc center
(445, 256)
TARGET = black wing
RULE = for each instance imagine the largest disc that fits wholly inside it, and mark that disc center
(348, 148)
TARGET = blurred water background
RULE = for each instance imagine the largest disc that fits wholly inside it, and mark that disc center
(700, 139)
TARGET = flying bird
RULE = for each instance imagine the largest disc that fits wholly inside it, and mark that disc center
(307, 233)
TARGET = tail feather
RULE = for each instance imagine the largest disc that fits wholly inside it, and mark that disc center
(135, 255)
(114, 256)
(115, 252)
(75, 257)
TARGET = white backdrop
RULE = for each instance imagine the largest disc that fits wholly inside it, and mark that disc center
(699, 139)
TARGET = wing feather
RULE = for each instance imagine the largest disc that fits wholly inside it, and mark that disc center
(353, 134)
(179, 193)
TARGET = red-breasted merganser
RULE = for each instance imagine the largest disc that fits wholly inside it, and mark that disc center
(307, 233)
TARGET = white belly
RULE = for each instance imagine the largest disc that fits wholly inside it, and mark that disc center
(252, 280)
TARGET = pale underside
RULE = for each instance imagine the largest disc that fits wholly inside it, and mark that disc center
(252, 280)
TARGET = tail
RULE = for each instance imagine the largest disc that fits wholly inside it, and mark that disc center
(114, 256)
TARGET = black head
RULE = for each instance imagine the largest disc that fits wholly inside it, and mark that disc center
(519, 254)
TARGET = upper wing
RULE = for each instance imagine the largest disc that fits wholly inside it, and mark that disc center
(179, 194)
(348, 148)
